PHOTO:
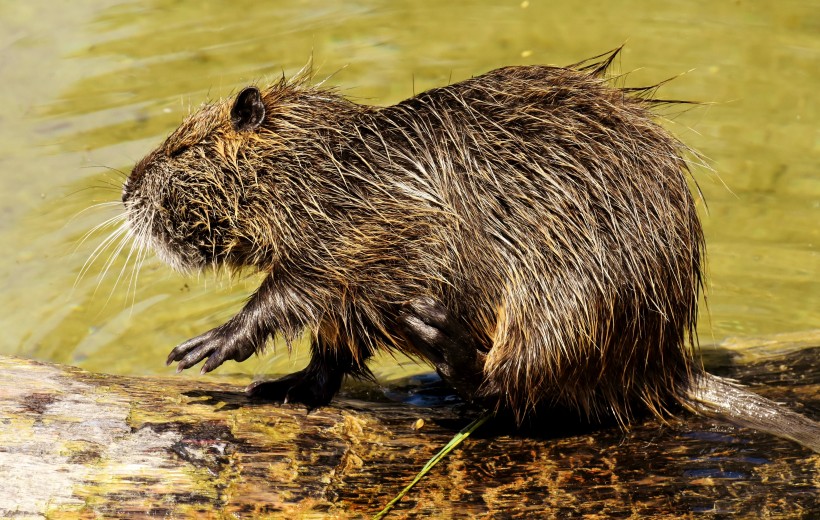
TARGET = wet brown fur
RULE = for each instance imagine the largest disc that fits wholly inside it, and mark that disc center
(544, 206)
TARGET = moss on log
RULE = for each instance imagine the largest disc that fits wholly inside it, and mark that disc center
(76, 444)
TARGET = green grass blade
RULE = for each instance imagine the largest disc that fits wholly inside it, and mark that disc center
(455, 441)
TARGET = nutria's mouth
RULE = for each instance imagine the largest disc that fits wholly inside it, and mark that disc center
(146, 228)
(183, 258)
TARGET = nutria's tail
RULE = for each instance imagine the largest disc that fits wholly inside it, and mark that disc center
(716, 397)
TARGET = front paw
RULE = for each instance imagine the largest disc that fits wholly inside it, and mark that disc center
(218, 345)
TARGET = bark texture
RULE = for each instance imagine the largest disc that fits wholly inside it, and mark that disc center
(76, 444)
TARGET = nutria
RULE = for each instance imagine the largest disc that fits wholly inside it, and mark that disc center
(530, 232)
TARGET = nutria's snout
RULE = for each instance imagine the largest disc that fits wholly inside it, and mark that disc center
(150, 212)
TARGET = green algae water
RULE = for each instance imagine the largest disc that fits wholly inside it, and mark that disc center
(89, 88)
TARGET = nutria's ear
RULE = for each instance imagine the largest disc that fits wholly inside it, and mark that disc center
(248, 111)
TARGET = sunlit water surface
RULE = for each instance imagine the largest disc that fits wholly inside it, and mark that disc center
(89, 88)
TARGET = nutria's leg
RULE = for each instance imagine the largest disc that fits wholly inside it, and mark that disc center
(313, 386)
(441, 338)
(275, 307)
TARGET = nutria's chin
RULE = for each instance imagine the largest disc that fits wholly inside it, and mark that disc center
(530, 232)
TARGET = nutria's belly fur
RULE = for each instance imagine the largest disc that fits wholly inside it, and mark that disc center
(530, 232)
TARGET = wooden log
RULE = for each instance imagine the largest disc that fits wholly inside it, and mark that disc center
(77, 444)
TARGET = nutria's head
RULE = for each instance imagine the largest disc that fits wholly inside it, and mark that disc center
(207, 195)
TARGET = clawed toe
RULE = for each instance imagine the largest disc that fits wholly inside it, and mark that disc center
(217, 345)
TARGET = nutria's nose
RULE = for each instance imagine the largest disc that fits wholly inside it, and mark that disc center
(135, 176)
(126, 193)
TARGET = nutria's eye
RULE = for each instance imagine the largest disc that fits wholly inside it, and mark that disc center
(248, 111)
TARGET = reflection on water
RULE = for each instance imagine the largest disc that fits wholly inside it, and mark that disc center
(88, 92)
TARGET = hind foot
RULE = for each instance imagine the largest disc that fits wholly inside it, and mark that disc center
(440, 336)
(307, 387)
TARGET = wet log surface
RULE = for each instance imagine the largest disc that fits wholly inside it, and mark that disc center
(77, 444)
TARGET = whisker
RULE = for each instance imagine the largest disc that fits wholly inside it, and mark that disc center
(113, 236)
(142, 254)
(119, 172)
(131, 250)
(111, 259)
(108, 185)
(96, 206)
(96, 228)
(94, 187)
(139, 244)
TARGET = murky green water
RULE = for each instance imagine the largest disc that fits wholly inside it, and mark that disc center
(87, 89)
